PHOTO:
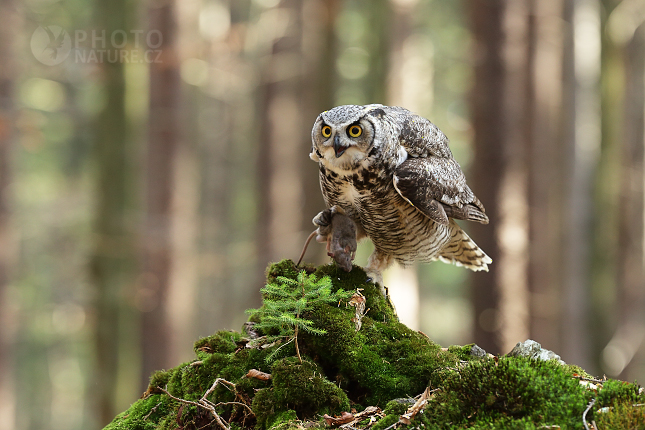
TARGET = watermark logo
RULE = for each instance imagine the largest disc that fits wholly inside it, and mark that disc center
(51, 45)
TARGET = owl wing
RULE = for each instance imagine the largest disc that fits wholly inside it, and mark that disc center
(437, 187)
(421, 138)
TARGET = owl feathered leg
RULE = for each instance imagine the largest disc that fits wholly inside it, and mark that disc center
(376, 264)
(463, 251)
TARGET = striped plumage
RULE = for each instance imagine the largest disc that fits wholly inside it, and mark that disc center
(392, 172)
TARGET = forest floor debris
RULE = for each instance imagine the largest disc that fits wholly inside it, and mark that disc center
(357, 370)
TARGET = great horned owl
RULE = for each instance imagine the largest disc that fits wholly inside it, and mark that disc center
(393, 174)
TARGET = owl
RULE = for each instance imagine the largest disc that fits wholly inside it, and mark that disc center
(393, 174)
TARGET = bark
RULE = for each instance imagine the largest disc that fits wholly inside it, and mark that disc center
(163, 136)
(542, 134)
(379, 14)
(581, 140)
(488, 167)
(281, 148)
(631, 273)
(502, 112)
(320, 51)
(111, 266)
(607, 196)
(8, 73)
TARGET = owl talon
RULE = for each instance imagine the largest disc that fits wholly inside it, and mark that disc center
(341, 243)
(323, 219)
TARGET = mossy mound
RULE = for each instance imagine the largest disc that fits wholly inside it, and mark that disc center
(384, 365)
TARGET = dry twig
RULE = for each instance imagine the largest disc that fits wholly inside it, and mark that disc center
(594, 380)
(210, 406)
(584, 414)
(152, 411)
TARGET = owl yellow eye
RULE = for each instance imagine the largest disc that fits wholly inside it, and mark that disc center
(355, 131)
(326, 131)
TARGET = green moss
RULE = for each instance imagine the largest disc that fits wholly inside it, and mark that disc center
(614, 392)
(380, 362)
(380, 309)
(574, 370)
(160, 379)
(146, 414)
(621, 416)
(467, 352)
(385, 360)
(510, 389)
(284, 420)
(397, 406)
(286, 268)
(386, 422)
(224, 342)
(301, 387)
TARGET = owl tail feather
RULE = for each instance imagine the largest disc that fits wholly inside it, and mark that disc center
(463, 251)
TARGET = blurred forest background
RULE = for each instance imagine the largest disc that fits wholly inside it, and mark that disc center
(154, 160)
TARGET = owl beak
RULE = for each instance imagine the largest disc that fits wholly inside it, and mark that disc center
(339, 149)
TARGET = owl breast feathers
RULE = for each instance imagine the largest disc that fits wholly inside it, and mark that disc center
(393, 174)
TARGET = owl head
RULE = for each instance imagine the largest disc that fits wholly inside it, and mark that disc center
(344, 136)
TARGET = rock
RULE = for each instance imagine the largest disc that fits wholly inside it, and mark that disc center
(534, 350)
(477, 351)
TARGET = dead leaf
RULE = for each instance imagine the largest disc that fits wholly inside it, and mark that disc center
(370, 410)
(344, 418)
(413, 410)
(356, 299)
(262, 376)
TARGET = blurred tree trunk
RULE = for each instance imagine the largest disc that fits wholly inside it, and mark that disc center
(538, 193)
(163, 136)
(490, 96)
(607, 195)
(282, 149)
(543, 123)
(379, 16)
(113, 253)
(8, 73)
(229, 151)
(183, 284)
(488, 123)
(630, 335)
(320, 51)
(579, 157)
